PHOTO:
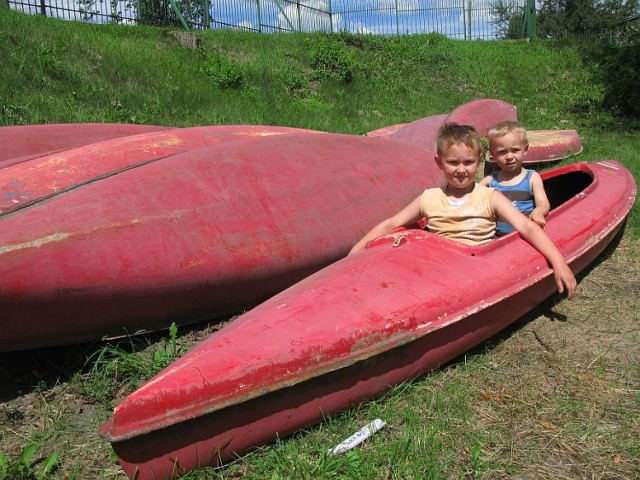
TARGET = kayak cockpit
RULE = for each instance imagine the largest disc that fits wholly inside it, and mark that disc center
(561, 188)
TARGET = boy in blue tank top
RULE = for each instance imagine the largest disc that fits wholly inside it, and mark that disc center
(508, 146)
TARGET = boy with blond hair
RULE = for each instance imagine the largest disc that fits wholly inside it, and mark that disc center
(508, 147)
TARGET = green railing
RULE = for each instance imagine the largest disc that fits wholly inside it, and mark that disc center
(463, 19)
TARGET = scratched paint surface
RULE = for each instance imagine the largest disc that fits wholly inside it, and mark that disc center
(195, 235)
(25, 141)
(383, 315)
(34, 180)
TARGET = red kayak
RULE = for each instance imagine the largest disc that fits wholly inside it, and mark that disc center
(407, 304)
(544, 145)
(482, 114)
(28, 182)
(23, 142)
(195, 235)
(551, 145)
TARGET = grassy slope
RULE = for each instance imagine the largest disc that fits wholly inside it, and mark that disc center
(54, 71)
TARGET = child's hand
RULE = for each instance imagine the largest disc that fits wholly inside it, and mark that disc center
(565, 280)
(539, 219)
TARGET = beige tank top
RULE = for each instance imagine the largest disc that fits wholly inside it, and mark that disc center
(472, 222)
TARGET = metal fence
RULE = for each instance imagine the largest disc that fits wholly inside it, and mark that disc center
(462, 19)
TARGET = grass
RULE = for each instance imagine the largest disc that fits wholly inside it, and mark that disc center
(556, 396)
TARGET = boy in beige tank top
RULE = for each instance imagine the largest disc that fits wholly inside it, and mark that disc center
(467, 212)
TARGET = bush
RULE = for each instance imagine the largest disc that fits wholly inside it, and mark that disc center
(622, 77)
(333, 60)
(225, 72)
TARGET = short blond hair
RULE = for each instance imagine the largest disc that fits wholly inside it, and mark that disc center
(455, 134)
(504, 128)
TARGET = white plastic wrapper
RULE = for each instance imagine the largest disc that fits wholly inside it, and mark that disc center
(358, 437)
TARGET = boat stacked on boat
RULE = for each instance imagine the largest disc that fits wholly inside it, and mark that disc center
(177, 225)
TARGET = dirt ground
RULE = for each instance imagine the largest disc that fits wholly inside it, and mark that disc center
(585, 351)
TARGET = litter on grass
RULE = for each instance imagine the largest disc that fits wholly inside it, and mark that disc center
(358, 437)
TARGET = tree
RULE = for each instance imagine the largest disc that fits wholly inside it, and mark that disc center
(509, 18)
(608, 20)
(605, 19)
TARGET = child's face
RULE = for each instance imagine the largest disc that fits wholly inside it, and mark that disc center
(508, 151)
(459, 164)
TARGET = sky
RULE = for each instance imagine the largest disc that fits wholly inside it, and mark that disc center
(381, 17)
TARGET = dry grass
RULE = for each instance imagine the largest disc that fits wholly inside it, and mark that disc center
(562, 398)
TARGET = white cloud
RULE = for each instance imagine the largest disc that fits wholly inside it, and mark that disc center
(310, 16)
(245, 25)
(401, 4)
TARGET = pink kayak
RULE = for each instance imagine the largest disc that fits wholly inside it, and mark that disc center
(195, 235)
(544, 145)
(482, 114)
(23, 142)
(32, 181)
(409, 303)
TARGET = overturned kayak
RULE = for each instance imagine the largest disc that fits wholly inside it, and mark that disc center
(31, 181)
(407, 304)
(544, 145)
(482, 114)
(552, 145)
(196, 235)
(23, 142)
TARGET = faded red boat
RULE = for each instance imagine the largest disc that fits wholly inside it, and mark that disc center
(135, 233)
(407, 304)
(23, 142)
(544, 145)
(28, 182)
(195, 235)
(482, 114)
(552, 145)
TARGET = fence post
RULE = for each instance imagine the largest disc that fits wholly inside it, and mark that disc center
(397, 20)
(531, 19)
(259, 16)
(469, 18)
(43, 8)
(179, 14)
(330, 16)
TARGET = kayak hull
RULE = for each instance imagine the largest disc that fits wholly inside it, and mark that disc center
(482, 114)
(23, 142)
(196, 235)
(356, 328)
(32, 181)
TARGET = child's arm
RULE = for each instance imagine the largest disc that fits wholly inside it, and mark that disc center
(533, 234)
(407, 216)
(541, 202)
(485, 181)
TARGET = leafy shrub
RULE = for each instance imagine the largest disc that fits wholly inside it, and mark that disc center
(295, 83)
(225, 72)
(333, 60)
(622, 77)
